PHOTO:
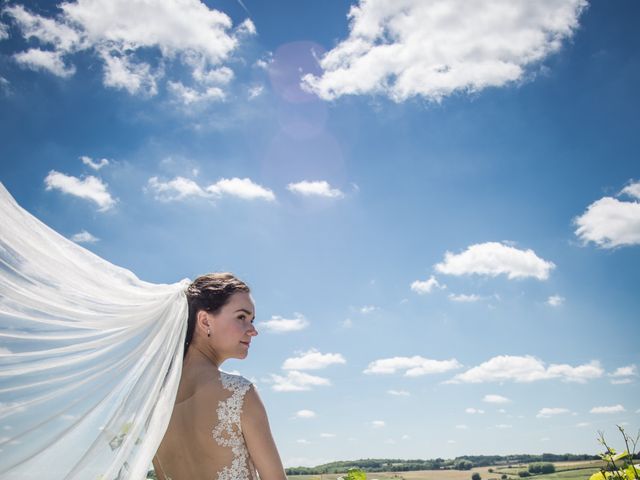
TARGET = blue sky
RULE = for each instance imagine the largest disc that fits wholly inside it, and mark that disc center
(437, 207)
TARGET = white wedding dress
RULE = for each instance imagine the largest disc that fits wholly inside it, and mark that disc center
(90, 357)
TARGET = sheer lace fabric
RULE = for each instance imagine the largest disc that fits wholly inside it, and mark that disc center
(90, 357)
(228, 431)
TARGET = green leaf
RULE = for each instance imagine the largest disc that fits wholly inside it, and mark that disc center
(355, 474)
(620, 455)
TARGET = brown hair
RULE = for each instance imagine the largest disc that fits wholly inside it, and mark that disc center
(210, 292)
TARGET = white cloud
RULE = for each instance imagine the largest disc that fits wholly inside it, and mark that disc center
(378, 423)
(36, 59)
(180, 188)
(548, 412)
(492, 398)
(4, 31)
(628, 371)
(621, 381)
(278, 324)
(84, 237)
(189, 96)
(90, 188)
(95, 165)
(398, 393)
(303, 441)
(610, 222)
(368, 309)
(297, 382)
(503, 425)
(493, 259)
(328, 435)
(242, 188)
(472, 410)
(608, 409)
(583, 424)
(313, 360)
(255, 91)
(347, 323)
(160, 32)
(422, 287)
(555, 300)
(414, 366)
(314, 189)
(462, 298)
(526, 369)
(632, 190)
(462, 427)
(177, 189)
(305, 414)
(429, 48)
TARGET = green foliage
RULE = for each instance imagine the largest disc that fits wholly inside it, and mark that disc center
(475, 476)
(504, 476)
(619, 466)
(524, 473)
(355, 474)
(463, 464)
(541, 468)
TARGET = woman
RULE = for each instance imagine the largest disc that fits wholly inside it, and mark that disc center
(218, 429)
(93, 375)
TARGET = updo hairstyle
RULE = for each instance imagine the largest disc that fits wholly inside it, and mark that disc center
(210, 292)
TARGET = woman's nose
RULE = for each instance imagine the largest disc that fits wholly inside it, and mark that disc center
(253, 332)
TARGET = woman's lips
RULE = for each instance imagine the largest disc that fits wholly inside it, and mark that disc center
(245, 343)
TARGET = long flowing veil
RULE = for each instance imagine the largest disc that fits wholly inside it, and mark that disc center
(90, 357)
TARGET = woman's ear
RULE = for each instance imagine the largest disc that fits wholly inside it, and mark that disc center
(202, 320)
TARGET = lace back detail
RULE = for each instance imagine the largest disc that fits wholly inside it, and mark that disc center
(228, 431)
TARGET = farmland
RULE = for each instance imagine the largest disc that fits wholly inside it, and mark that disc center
(564, 471)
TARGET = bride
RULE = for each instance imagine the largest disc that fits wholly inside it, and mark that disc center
(220, 326)
(102, 374)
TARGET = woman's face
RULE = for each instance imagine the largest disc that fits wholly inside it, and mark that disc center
(232, 327)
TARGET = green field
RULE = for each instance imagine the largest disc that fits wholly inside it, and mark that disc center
(564, 471)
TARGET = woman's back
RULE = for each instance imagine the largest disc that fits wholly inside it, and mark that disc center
(204, 438)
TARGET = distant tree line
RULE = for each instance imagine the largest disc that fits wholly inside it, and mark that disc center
(459, 463)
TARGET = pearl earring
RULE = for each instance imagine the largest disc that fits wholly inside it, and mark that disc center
(208, 332)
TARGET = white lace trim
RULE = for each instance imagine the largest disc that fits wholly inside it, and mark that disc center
(228, 431)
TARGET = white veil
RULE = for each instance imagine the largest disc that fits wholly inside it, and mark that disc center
(90, 357)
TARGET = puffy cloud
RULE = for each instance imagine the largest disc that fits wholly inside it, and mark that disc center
(610, 222)
(433, 48)
(555, 300)
(188, 96)
(492, 398)
(90, 188)
(159, 32)
(180, 188)
(84, 237)
(4, 31)
(413, 366)
(177, 189)
(493, 259)
(462, 298)
(297, 381)
(95, 165)
(473, 411)
(378, 423)
(255, 91)
(313, 360)
(547, 412)
(36, 59)
(628, 371)
(242, 188)
(305, 414)
(526, 369)
(422, 287)
(368, 309)
(328, 435)
(398, 393)
(608, 409)
(314, 189)
(624, 375)
(278, 324)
